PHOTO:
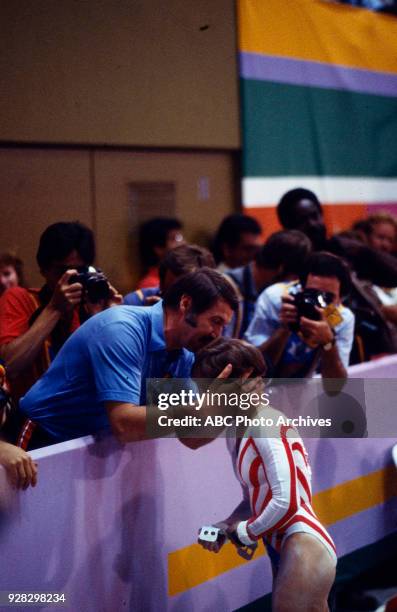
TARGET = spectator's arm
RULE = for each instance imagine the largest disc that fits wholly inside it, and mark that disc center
(331, 364)
(20, 467)
(390, 313)
(319, 333)
(20, 353)
(274, 346)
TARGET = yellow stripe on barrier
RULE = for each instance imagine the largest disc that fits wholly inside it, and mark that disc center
(355, 496)
(319, 31)
(191, 566)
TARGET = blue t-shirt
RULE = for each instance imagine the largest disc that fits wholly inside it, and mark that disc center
(138, 297)
(108, 358)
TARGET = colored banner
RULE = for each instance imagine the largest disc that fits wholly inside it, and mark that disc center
(319, 107)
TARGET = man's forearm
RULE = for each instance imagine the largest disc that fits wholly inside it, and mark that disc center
(331, 364)
(128, 421)
(21, 352)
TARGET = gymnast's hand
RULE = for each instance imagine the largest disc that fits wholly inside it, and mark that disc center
(220, 540)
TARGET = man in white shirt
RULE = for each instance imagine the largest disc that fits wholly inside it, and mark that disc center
(295, 344)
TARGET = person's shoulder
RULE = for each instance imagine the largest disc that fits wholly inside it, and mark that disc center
(20, 295)
(235, 274)
(347, 315)
(19, 292)
(138, 297)
(121, 317)
(118, 326)
(126, 313)
(134, 298)
(275, 292)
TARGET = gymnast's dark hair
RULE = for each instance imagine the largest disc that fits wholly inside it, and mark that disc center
(212, 359)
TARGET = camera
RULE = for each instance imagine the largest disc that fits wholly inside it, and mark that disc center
(306, 302)
(95, 284)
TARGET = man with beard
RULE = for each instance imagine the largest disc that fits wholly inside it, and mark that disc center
(98, 380)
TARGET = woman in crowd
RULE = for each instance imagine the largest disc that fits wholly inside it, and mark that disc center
(272, 467)
(11, 274)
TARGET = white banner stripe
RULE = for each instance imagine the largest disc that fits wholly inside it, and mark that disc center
(263, 192)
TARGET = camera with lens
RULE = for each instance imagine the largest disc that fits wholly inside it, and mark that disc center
(307, 301)
(94, 282)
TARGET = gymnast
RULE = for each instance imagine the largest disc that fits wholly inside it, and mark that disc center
(273, 469)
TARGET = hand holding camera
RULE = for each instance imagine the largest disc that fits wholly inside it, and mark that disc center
(85, 285)
(94, 283)
(66, 294)
(305, 312)
(317, 333)
(288, 313)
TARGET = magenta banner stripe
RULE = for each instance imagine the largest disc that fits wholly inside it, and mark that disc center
(317, 74)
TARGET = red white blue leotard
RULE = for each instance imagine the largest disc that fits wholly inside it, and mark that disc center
(276, 477)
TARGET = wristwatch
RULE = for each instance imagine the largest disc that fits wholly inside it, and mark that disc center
(328, 346)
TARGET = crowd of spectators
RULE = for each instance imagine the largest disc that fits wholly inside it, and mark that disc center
(76, 354)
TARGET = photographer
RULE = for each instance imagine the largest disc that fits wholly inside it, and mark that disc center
(298, 331)
(34, 323)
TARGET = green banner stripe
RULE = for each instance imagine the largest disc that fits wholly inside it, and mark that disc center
(294, 130)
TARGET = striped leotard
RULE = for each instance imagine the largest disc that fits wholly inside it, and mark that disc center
(273, 468)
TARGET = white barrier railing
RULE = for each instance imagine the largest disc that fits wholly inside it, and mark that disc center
(114, 527)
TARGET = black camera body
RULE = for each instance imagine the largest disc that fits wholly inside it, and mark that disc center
(95, 284)
(306, 302)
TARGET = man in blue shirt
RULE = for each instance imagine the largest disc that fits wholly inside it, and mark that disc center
(98, 380)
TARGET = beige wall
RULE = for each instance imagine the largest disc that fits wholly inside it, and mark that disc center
(122, 72)
(39, 187)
